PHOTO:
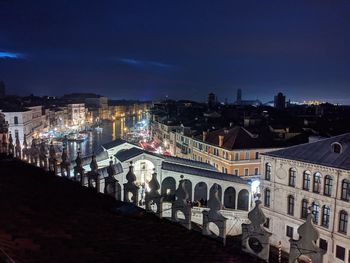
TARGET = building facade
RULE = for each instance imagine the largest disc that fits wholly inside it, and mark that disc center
(76, 114)
(26, 123)
(312, 176)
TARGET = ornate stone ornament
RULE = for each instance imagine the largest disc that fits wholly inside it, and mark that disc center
(306, 246)
(181, 205)
(255, 239)
(153, 196)
(130, 187)
(281, 173)
(214, 215)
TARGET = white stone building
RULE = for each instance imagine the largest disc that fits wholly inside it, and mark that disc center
(76, 114)
(313, 175)
(26, 122)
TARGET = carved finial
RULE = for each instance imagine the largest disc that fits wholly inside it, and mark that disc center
(93, 164)
(52, 150)
(307, 231)
(130, 176)
(154, 184)
(25, 144)
(64, 155)
(256, 216)
(10, 138)
(214, 201)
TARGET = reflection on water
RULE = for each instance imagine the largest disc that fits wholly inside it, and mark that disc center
(111, 131)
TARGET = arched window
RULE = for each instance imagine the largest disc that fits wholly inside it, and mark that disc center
(292, 175)
(290, 206)
(268, 169)
(304, 207)
(315, 212)
(343, 222)
(306, 180)
(345, 189)
(267, 197)
(328, 184)
(316, 188)
(325, 216)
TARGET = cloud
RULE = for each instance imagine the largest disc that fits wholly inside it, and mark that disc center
(10, 55)
(144, 63)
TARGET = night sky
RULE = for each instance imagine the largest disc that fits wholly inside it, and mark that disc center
(184, 49)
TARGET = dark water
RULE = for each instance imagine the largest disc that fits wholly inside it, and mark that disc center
(111, 131)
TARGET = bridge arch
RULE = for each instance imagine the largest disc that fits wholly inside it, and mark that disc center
(230, 198)
(201, 192)
(168, 188)
(211, 192)
(243, 200)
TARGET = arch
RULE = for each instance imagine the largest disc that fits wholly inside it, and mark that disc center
(188, 187)
(337, 147)
(143, 170)
(230, 198)
(201, 193)
(211, 192)
(243, 200)
(168, 189)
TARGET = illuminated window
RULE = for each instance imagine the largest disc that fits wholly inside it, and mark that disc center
(328, 183)
(306, 180)
(345, 188)
(304, 207)
(292, 175)
(316, 183)
(315, 212)
(343, 222)
(325, 216)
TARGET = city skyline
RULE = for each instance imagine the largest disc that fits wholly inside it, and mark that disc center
(151, 50)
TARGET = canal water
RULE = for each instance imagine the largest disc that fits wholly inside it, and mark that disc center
(111, 131)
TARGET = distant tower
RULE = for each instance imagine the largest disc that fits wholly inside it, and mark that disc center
(211, 100)
(280, 101)
(2, 89)
(239, 96)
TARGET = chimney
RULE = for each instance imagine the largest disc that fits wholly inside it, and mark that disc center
(221, 140)
(205, 134)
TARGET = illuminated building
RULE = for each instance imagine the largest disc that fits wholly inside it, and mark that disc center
(313, 175)
(76, 113)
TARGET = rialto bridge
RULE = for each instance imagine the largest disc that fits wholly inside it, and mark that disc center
(234, 193)
(130, 174)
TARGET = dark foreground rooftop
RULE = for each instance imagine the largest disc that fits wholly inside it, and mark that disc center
(50, 219)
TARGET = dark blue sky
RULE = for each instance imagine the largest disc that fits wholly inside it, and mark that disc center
(184, 49)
